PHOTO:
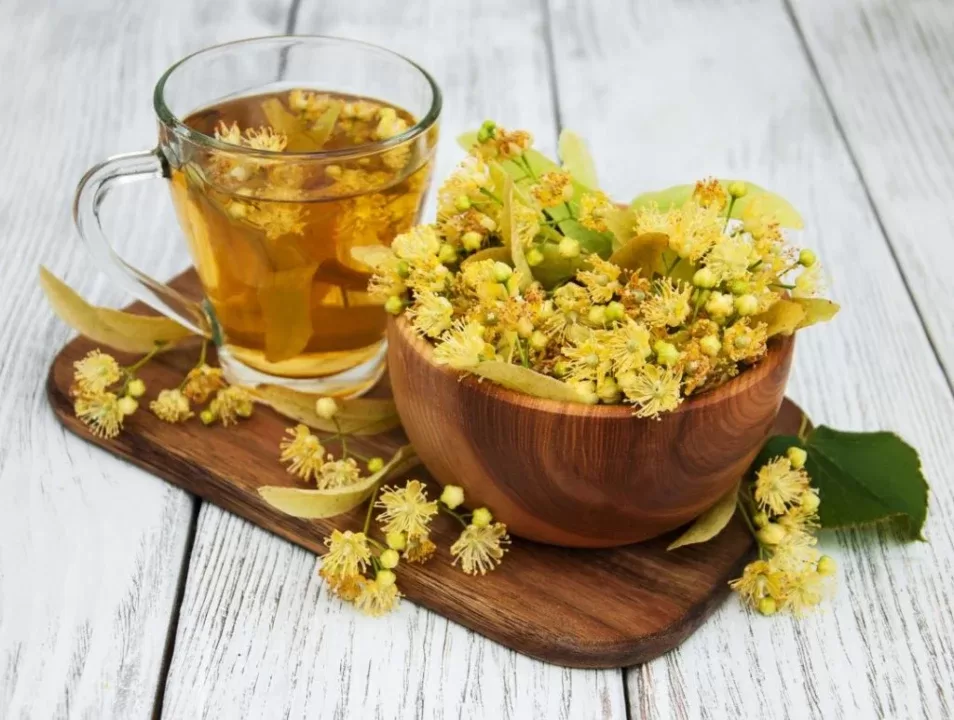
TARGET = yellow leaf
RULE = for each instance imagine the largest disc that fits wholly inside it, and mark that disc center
(643, 253)
(499, 254)
(525, 380)
(356, 416)
(783, 318)
(374, 256)
(816, 310)
(621, 221)
(710, 523)
(324, 126)
(577, 159)
(313, 504)
(508, 224)
(759, 203)
(113, 328)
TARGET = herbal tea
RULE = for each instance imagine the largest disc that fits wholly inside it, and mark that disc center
(272, 231)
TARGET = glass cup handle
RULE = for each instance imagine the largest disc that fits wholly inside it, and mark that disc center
(90, 194)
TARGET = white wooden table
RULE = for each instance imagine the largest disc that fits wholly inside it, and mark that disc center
(121, 597)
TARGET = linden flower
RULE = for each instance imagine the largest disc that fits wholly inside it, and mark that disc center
(594, 207)
(419, 549)
(309, 103)
(803, 592)
(95, 372)
(172, 406)
(627, 346)
(377, 597)
(275, 219)
(653, 389)
(406, 510)
(480, 549)
(778, 485)
(796, 550)
(668, 305)
(348, 555)
(588, 359)
(230, 134)
(759, 579)
(730, 258)
(741, 342)
(304, 451)
(465, 182)
(552, 189)
(431, 314)
(201, 382)
(338, 473)
(503, 144)
(526, 224)
(462, 346)
(418, 243)
(692, 228)
(230, 404)
(390, 124)
(809, 282)
(710, 193)
(265, 139)
(429, 275)
(101, 413)
(602, 281)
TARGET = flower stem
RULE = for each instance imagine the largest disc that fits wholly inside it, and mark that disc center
(367, 518)
(728, 212)
(344, 440)
(131, 369)
(803, 428)
(443, 508)
(745, 516)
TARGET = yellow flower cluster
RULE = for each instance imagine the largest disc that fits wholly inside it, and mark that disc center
(644, 306)
(791, 574)
(103, 407)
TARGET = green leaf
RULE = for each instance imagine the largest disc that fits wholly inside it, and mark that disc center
(525, 380)
(862, 478)
(577, 159)
(312, 504)
(757, 201)
(499, 254)
(555, 268)
(816, 310)
(116, 329)
(711, 522)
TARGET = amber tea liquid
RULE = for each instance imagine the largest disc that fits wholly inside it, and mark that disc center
(271, 234)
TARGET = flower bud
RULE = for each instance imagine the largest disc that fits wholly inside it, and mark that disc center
(569, 248)
(826, 565)
(797, 457)
(326, 408)
(737, 189)
(807, 258)
(539, 341)
(738, 287)
(481, 517)
(396, 540)
(472, 240)
(207, 417)
(447, 254)
(385, 578)
(560, 368)
(502, 271)
(488, 128)
(760, 519)
(128, 405)
(403, 269)
(767, 606)
(389, 559)
(719, 305)
(615, 311)
(746, 304)
(771, 534)
(136, 388)
(524, 327)
(394, 305)
(810, 501)
(596, 315)
(375, 464)
(705, 278)
(333, 171)
(534, 257)
(666, 353)
(462, 203)
(608, 391)
(452, 496)
(710, 345)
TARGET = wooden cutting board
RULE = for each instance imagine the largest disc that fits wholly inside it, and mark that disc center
(579, 608)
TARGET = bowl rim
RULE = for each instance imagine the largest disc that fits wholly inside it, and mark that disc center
(779, 349)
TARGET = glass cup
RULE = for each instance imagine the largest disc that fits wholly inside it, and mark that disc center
(271, 233)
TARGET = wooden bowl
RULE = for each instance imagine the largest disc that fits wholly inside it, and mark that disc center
(582, 475)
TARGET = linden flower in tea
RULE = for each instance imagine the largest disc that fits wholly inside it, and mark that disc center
(530, 267)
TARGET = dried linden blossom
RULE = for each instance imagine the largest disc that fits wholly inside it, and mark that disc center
(682, 312)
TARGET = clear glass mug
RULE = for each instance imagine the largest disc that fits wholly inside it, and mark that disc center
(271, 233)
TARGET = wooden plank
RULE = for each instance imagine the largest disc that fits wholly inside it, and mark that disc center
(282, 646)
(91, 549)
(888, 69)
(666, 92)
